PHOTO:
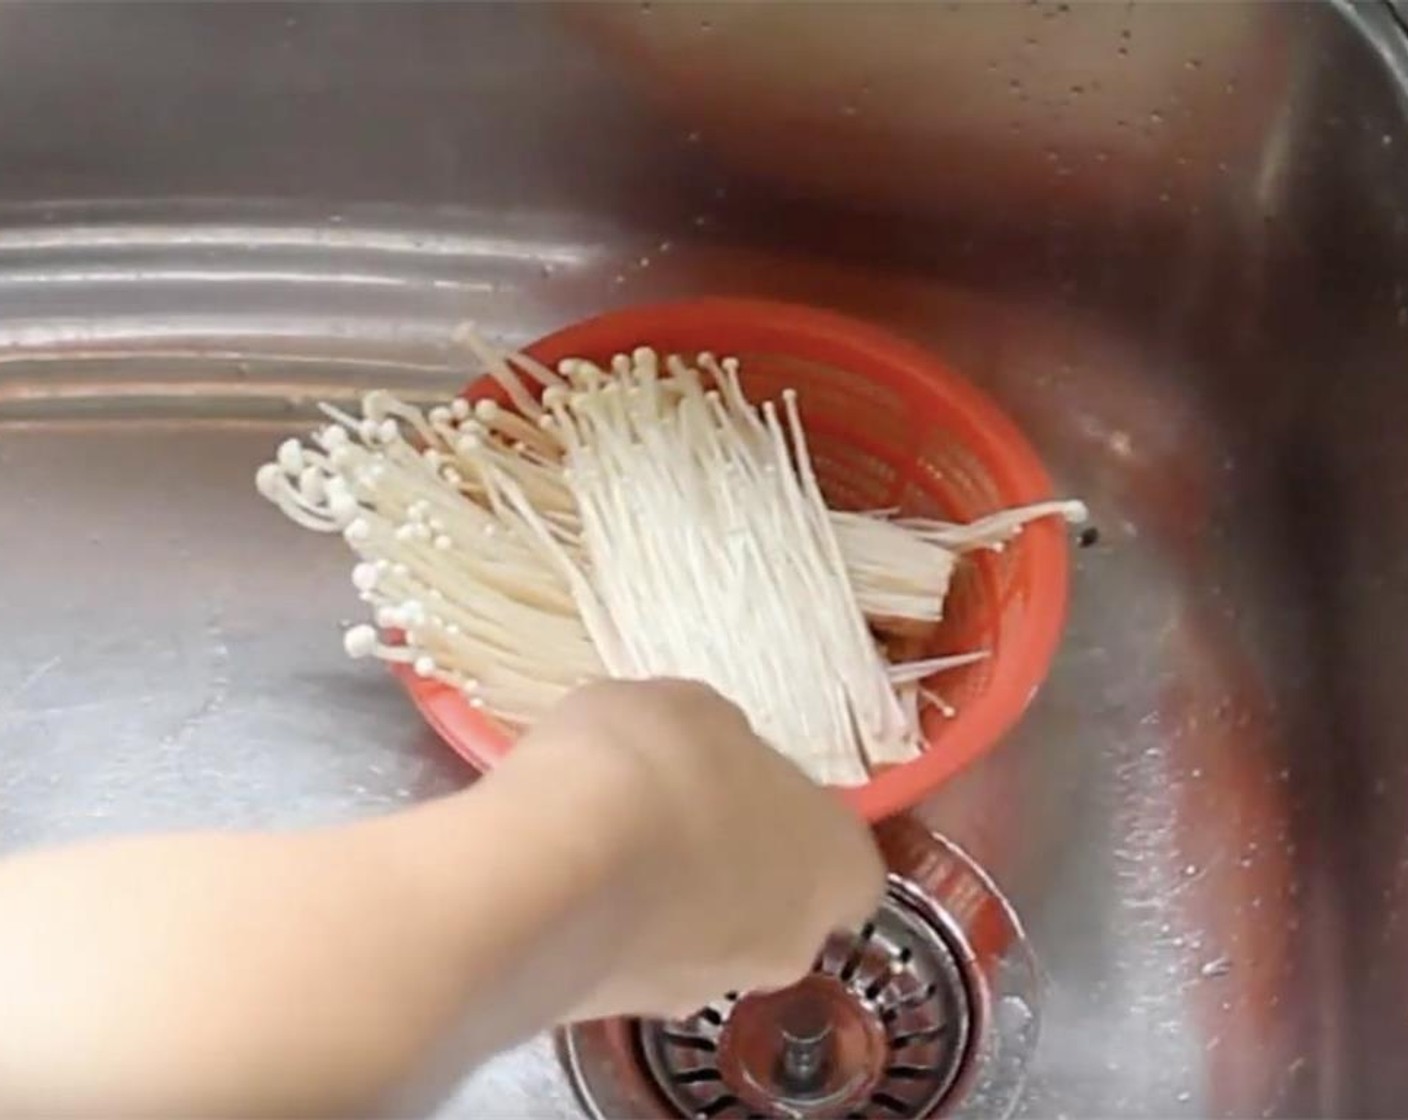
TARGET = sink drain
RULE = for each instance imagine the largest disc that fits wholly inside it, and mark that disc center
(894, 1022)
(880, 1027)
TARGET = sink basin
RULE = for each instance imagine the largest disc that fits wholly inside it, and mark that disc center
(1171, 240)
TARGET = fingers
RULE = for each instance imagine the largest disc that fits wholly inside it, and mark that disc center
(753, 865)
(857, 883)
(861, 881)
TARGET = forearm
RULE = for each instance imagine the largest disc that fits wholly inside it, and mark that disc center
(320, 972)
(641, 850)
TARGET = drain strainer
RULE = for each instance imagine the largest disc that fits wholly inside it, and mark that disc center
(893, 1022)
(880, 1027)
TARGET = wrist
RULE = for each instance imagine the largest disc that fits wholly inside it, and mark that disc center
(585, 803)
(598, 819)
(527, 888)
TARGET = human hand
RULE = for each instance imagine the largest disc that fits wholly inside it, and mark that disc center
(641, 851)
(737, 865)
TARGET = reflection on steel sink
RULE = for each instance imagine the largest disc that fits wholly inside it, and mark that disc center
(1172, 240)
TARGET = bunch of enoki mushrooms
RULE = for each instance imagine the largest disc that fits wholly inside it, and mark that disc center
(635, 521)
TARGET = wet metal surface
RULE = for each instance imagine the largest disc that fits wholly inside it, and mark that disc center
(1172, 240)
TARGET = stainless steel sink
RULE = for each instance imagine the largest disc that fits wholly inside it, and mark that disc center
(1172, 240)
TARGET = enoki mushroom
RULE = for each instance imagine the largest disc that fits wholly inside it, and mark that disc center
(647, 520)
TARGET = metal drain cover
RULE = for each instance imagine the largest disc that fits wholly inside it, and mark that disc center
(879, 1028)
(894, 1022)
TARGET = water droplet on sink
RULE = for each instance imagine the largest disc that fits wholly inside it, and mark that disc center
(1014, 1016)
(1221, 966)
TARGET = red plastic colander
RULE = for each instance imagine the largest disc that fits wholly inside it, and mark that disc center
(889, 425)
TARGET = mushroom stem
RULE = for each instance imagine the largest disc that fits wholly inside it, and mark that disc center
(640, 520)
